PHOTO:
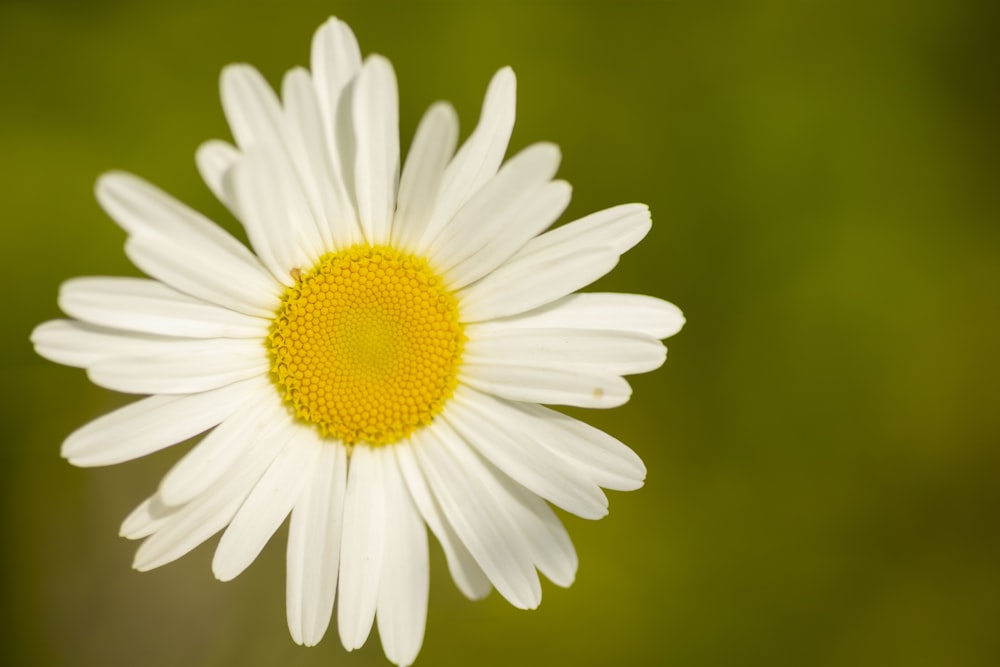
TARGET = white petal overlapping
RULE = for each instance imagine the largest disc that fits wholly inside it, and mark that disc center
(318, 170)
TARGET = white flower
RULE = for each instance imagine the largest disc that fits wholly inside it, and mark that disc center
(377, 363)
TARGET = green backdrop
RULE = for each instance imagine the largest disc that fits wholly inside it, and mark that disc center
(822, 444)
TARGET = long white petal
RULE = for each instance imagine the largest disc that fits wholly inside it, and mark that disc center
(252, 109)
(206, 275)
(494, 430)
(433, 146)
(535, 214)
(491, 214)
(529, 281)
(620, 227)
(362, 548)
(331, 206)
(335, 60)
(152, 423)
(480, 156)
(461, 485)
(277, 219)
(81, 345)
(405, 582)
(620, 352)
(184, 366)
(212, 458)
(270, 501)
(148, 306)
(313, 554)
(600, 310)
(375, 116)
(582, 387)
(144, 210)
(210, 512)
(466, 573)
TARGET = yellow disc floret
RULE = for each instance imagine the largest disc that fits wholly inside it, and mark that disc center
(366, 345)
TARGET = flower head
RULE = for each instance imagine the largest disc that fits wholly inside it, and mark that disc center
(377, 364)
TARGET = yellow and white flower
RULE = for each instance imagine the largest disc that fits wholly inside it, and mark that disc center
(377, 363)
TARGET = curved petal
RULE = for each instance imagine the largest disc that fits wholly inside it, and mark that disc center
(480, 156)
(214, 159)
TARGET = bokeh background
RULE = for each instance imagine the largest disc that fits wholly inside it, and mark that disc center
(822, 444)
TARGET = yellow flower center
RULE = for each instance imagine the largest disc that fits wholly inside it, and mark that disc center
(366, 345)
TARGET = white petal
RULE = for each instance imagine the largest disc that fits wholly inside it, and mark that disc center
(147, 518)
(529, 281)
(183, 366)
(268, 504)
(403, 589)
(314, 547)
(145, 211)
(137, 304)
(605, 459)
(217, 453)
(81, 345)
(275, 214)
(582, 387)
(433, 146)
(494, 430)
(468, 576)
(152, 423)
(556, 263)
(480, 156)
(214, 159)
(620, 227)
(210, 512)
(619, 352)
(551, 549)
(462, 486)
(500, 212)
(600, 310)
(361, 548)
(533, 216)
(335, 60)
(205, 274)
(331, 206)
(375, 116)
(251, 107)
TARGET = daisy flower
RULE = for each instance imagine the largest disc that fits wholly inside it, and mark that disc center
(377, 364)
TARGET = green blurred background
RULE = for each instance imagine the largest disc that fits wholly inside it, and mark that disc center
(822, 444)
